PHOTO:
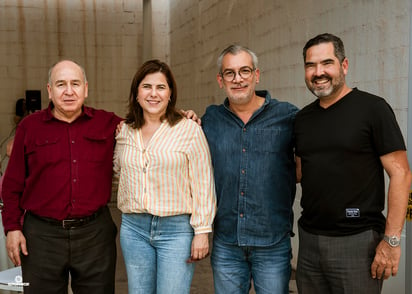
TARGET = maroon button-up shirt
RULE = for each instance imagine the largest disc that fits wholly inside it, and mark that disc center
(59, 170)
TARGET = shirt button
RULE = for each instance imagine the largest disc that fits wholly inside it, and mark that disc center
(243, 171)
(74, 180)
(242, 193)
(244, 129)
(73, 142)
(241, 215)
(74, 160)
(144, 170)
(243, 150)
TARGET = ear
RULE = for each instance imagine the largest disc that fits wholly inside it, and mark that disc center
(219, 80)
(345, 66)
(257, 71)
(49, 90)
(86, 90)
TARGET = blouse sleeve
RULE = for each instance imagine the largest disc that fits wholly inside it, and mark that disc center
(202, 184)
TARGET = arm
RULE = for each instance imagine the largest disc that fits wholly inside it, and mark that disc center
(13, 189)
(386, 261)
(203, 195)
(298, 163)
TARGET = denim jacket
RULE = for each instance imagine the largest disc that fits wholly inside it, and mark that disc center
(254, 172)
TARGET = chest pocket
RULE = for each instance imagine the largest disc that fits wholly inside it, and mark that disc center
(269, 141)
(45, 149)
(99, 147)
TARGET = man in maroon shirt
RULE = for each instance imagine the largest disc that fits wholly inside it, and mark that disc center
(55, 191)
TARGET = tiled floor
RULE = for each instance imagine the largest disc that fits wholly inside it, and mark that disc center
(202, 281)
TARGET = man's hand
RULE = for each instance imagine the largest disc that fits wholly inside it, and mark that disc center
(386, 261)
(200, 247)
(190, 114)
(14, 243)
(119, 127)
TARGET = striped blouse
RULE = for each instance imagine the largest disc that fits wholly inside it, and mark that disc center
(172, 175)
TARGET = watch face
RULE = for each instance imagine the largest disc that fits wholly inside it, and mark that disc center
(394, 241)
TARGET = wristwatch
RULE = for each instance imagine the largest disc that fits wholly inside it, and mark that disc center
(393, 241)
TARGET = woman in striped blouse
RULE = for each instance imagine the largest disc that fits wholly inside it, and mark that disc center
(166, 186)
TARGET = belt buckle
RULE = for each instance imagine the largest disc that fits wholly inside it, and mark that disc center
(68, 223)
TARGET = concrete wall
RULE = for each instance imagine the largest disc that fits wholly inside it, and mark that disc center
(375, 33)
(105, 36)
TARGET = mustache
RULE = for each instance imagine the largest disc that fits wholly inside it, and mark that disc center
(239, 85)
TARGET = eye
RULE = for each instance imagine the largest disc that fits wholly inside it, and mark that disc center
(245, 71)
(228, 73)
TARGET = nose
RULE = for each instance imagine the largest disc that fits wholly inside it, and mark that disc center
(237, 77)
(69, 89)
(154, 92)
(319, 70)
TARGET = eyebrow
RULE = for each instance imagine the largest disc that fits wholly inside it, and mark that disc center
(156, 85)
(322, 61)
(242, 67)
(70, 81)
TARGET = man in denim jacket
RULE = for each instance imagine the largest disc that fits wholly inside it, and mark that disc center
(250, 138)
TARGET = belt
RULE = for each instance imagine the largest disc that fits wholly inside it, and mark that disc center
(70, 223)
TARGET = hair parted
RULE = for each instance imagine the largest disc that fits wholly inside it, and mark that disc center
(135, 117)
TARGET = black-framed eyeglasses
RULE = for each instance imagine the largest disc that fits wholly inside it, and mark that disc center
(244, 72)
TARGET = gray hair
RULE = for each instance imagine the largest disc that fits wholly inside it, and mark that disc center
(235, 49)
(81, 68)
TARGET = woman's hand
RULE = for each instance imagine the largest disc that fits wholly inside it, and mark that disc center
(200, 247)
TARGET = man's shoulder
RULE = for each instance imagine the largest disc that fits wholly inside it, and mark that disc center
(101, 113)
(365, 96)
(308, 108)
(33, 118)
(284, 105)
(213, 110)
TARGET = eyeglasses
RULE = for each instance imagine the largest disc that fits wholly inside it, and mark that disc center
(244, 72)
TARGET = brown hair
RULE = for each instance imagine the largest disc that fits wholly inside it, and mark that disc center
(135, 116)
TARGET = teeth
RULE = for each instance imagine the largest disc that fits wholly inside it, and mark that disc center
(323, 81)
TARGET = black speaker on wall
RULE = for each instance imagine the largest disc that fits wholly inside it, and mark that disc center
(33, 100)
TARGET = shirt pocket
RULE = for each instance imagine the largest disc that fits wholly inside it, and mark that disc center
(271, 141)
(45, 149)
(98, 147)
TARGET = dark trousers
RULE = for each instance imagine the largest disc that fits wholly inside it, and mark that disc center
(87, 252)
(337, 265)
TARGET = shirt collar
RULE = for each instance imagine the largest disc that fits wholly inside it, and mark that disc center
(87, 112)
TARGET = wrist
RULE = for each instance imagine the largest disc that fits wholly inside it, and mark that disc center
(392, 240)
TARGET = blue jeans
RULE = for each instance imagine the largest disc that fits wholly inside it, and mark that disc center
(235, 266)
(155, 250)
